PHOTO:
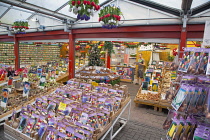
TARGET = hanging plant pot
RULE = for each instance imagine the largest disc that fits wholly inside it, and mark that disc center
(109, 16)
(84, 8)
(20, 26)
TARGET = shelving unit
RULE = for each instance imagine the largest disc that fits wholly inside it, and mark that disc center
(7, 54)
(38, 53)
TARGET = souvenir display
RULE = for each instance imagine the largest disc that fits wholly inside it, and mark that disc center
(80, 115)
(156, 82)
(30, 53)
(7, 54)
(190, 96)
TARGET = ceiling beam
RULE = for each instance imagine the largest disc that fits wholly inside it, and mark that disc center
(186, 6)
(158, 6)
(201, 8)
(37, 9)
(1, 16)
(58, 9)
(62, 6)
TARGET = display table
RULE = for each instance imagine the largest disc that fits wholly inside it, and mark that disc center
(16, 78)
(13, 134)
(63, 78)
(126, 73)
(8, 114)
(158, 104)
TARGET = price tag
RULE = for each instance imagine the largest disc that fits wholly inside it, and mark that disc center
(94, 84)
(62, 106)
(25, 79)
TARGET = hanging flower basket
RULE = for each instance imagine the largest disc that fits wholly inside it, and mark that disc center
(109, 16)
(19, 26)
(84, 8)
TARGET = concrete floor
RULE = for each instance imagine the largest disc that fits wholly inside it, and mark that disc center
(144, 124)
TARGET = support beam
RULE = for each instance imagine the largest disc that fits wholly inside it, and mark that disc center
(5, 12)
(37, 9)
(108, 63)
(16, 52)
(186, 6)
(71, 56)
(183, 41)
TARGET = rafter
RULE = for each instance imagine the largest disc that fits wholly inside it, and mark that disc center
(186, 6)
(1, 16)
(37, 9)
(201, 8)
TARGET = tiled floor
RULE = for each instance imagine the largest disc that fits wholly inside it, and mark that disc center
(144, 124)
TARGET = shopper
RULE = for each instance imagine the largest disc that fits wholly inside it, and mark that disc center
(140, 72)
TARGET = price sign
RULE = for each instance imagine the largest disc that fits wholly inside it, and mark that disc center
(94, 84)
(62, 106)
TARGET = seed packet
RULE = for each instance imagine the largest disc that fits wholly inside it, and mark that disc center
(188, 98)
(70, 82)
(117, 103)
(85, 98)
(29, 126)
(78, 136)
(168, 121)
(93, 99)
(51, 107)
(155, 87)
(23, 122)
(208, 66)
(75, 115)
(93, 120)
(84, 118)
(201, 101)
(120, 93)
(38, 101)
(112, 92)
(51, 133)
(109, 104)
(70, 132)
(39, 72)
(61, 127)
(26, 89)
(97, 88)
(101, 102)
(178, 100)
(52, 122)
(192, 105)
(104, 89)
(61, 136)
(4, 98)
(195, 62)
(42, 81)
(39, 120)
(204, 62)
(42, 129)
(185, 62)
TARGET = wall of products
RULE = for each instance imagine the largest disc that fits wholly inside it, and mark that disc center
(7, 54)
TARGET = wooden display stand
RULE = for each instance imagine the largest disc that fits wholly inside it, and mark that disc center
(158, 105)
(63, 78)
(14, 134)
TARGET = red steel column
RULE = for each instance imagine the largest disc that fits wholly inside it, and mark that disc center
(71, 56)
(108, 61)
(16, 53)
(183, 42)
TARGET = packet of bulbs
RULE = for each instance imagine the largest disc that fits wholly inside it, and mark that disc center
(69, 113)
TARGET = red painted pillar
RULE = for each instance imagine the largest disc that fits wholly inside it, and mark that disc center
(183, 42)
(71, 56)
(16, 53)
(108, 61)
